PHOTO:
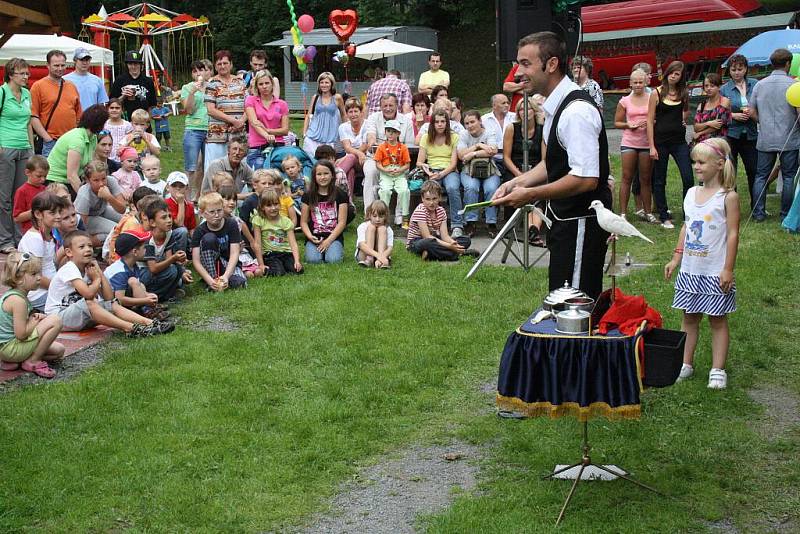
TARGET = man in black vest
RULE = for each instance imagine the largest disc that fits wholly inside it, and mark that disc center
(574, 171)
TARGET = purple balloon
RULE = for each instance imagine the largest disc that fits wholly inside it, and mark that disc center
(311, 52)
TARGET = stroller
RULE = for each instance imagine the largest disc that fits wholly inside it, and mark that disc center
(276, 156)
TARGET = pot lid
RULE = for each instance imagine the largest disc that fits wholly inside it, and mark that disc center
(563, 293)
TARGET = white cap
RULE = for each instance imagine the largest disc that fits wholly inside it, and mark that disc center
(177, 177)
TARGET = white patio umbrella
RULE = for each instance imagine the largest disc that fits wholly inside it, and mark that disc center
(382, 48)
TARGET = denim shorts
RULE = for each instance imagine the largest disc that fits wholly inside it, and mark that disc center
(193, 143)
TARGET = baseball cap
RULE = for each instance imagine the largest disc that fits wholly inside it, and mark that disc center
(392, 125)
(177, 177)
(81, 53)
(132, 56)
(130, 239)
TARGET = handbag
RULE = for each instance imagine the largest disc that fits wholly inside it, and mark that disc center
(38, 142)
(481, 168)
(416, 178)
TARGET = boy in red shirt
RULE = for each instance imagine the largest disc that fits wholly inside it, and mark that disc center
(392, 160)
(180, 209)
(36, 170)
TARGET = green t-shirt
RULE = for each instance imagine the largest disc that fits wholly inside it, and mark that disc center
(197, 119)
(438, 157)
(14, 119)
(79, 139)
(274, 235)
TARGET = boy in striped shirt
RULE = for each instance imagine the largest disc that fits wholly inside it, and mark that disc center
(427, 231)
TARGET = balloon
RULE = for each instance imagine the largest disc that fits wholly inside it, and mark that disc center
(343, 23)
(311, 52)
(299, 51)
(793, 95)
(301, 66)
(350, 49)
(305, 23)
(794, 71)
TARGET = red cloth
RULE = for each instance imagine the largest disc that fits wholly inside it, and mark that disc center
(515, 97)
(627, 313)
(23, 199)
(188, 213)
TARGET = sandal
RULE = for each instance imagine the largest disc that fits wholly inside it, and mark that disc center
(535, 237)
(39, 368)
(8, 366)
(641, 214)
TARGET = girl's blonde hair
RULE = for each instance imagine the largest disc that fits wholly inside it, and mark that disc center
(288, 159)
(269, 197)
(379, 209)
(59, 189)
(714, 149)
(17, 264)
(94, 166)
(264, 73)
(220, 178)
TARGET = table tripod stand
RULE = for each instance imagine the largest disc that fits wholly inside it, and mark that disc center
(586, 461)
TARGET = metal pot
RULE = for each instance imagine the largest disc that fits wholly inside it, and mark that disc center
(558, 296)
(573, 322)
(580, 303)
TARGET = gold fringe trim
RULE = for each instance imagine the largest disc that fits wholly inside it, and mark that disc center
(582, 413)
(570, 336)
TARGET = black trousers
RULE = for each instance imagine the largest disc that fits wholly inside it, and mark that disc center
(280, 263)
(746, 149)
(577, 255)
(437, 251)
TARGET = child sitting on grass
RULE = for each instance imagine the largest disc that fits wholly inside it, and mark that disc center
(297, 182)
(139, 139)
(216, 244)
(180, 208)
(324, 216)
(151, 168)
(36, 170)
(392, 160)
(130, 221)
(39, 242)
(274, 244)
(127, 176)
(427, 231)
(250, 204)
(246, 259)
(125, 275)
(375, 238)
(74, 291)
(99, 202)
(27, 339)
(165, 252)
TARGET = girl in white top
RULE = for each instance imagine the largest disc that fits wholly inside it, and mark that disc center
(706, 252)
(116, 126)
(38, 241)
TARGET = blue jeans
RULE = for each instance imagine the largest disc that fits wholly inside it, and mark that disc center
(452, 184)
(472, 189)
(334, 254)
(47, 146)
(165, 283)
(193, 143)
(214, 151)
(766, 160)
(680, 153)
(255, 158)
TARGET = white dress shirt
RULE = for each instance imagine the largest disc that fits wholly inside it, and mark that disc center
(491, 123)
(578, 130)
(375, 124)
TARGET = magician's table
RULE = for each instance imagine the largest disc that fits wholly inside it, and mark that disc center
(547, 373)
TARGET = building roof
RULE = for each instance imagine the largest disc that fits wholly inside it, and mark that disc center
(33, 16)
(325, 37)
(764, 21)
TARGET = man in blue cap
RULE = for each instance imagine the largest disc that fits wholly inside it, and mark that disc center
(90, 87)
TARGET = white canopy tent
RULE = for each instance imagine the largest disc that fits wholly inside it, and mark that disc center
(34, 49)
(382, 48)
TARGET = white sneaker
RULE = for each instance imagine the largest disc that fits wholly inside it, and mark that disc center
(686, 372)
(717, 379)
(457, 232)
(668, 225)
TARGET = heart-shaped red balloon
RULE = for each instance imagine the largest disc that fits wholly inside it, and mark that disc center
(350, 49)
(343, 23)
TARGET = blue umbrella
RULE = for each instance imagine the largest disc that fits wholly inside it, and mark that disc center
(758, 49)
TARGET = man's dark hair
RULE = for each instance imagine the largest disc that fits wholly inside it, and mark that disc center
(434, 54)
(780, 58)
(384, 96)
(156, 205)
(94, 118)
(53, 53)
(139, 193)
(550, 45)
(395, 72)
(238, 138)
(325, 152)
(258, 53)
(472, 113)
(198, 65)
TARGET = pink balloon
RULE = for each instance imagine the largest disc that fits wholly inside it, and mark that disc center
(305, 23)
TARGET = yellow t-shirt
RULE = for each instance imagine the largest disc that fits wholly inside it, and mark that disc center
(432, 79)
(286, 204)
(438, 157)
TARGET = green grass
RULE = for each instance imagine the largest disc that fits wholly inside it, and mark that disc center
(255, 429)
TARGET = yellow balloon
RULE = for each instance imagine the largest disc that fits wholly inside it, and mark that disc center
(793, 95)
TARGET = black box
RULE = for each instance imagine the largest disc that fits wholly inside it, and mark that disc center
(663, 356)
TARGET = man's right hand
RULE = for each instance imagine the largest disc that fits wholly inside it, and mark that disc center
(516, 198)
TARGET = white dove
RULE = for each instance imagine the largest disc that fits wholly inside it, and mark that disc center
(613, 223)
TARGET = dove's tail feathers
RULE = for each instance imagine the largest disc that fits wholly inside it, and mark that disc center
(646, 238)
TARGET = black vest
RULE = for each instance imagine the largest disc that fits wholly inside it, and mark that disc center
(558, 166)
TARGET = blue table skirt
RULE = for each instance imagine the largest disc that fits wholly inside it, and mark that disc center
(546, 373)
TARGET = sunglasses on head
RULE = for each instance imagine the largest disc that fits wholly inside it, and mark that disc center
(103, 133)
